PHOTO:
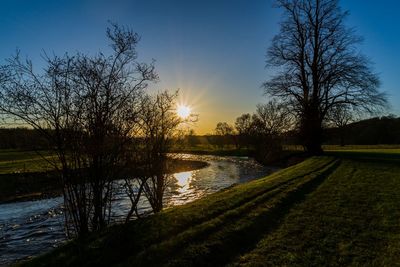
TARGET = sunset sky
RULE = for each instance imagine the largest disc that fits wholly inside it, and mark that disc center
(213, 51)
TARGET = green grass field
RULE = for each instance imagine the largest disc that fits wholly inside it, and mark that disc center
(351, 219)
(26, 175)
(329, 210)
(17, 161)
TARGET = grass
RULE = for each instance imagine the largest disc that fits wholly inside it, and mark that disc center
(377, 154)
(347, 147)
(26, 175)
(340, 209)
(362, 147)
(17, 161)
(352, 219)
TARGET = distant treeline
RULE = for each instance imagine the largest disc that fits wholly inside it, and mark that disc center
(375, 131)
(380, 130)
(22, 138)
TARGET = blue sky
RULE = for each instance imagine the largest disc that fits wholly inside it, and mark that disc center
(213, 51)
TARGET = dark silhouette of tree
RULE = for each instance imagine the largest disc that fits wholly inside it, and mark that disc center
(225, 132)
(372, 131)
(269, 122)
(158, 125)
(263, 131)
(271, 118)
(318, 66)
(340, 116)
(243, 125)
(190, 136)
(22, 138)
(223, 128)
(87, 107)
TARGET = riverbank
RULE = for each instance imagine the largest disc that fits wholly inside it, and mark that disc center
(32, 185)
(328, 209)
(288, 157)
(237, 152)
(31, 228)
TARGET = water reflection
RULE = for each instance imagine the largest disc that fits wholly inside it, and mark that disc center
(183, 180)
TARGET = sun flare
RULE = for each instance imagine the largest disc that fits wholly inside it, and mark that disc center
(183, 111)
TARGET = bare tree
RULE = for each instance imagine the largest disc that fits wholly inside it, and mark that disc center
(159, 122)
(318, 66)
(191, 138)
(159, 128)
(340, 116)
(87, 107)
(243, 125)
(223, 128)
(269, 122)
(225, 132)
(272, 118)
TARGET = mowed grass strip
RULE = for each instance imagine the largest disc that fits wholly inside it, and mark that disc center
(179, 224)
(352, 219)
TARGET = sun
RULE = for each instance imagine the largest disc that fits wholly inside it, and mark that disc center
(183, 111)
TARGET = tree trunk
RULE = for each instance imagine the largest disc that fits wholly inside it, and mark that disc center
(342, 133)
(311, 132)
(159, 194)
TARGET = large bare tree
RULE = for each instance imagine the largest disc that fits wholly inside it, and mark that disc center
(87, 107)
(317, 66)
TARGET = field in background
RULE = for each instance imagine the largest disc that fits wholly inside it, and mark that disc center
(19, 161)
(347, 147)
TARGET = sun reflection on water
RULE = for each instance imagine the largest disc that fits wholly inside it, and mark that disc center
(183, 180)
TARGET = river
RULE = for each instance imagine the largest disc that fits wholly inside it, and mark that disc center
(33, 227)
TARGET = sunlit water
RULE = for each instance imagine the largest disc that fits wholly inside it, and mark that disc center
(33, 227)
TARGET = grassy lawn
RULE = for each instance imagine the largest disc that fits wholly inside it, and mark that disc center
(336, 210)
(372, 154)
(26, 175)
(362, 147)
(17, 161)
(351, 219)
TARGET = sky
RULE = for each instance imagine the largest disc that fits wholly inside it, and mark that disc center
(213, 51)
